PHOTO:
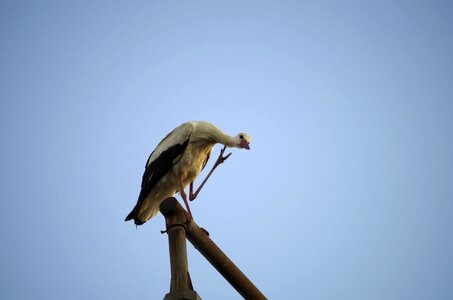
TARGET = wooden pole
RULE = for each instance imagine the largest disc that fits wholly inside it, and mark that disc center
(180, 285)
(172, 210)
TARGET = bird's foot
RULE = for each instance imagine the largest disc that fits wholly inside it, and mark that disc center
(189, 217)
(222, 158)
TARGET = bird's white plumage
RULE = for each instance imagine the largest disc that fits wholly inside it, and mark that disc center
(197, 140)
(178, 136)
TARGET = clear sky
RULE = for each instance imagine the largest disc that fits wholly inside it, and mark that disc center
(346, 194)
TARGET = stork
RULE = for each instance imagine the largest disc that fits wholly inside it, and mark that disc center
(177, 161)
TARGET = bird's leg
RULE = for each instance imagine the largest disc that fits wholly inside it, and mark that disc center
(219, 161)
(184, 197)
(191, 193)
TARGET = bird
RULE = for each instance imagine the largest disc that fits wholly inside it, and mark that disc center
(177, 161)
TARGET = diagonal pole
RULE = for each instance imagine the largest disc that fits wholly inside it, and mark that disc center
(171, 208)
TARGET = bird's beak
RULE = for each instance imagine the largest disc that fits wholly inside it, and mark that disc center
(244, 145)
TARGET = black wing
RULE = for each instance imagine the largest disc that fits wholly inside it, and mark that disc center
(153, 173)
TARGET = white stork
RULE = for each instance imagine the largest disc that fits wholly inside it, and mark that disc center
(177, 161)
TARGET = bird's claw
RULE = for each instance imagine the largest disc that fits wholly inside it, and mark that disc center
(222, 158)
(189, 217)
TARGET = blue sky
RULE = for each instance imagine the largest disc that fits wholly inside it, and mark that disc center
(347, 191)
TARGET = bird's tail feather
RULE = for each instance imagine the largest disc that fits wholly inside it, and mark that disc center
(133, 215)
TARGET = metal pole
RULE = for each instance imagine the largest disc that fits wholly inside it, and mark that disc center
(212, 252)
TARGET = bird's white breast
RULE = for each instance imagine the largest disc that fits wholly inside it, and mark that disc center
(191, 163)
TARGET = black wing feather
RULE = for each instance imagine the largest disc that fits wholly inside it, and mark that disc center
(153, 173)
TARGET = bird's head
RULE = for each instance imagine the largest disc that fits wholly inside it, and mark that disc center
(242, 141)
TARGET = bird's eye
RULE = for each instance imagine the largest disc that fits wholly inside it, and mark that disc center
(241, 136)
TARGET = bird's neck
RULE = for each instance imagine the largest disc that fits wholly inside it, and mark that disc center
(225, 139)
(214, 135)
